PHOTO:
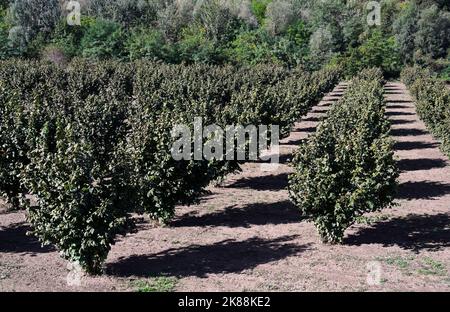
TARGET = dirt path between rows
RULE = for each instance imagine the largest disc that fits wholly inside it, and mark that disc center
(247, 236)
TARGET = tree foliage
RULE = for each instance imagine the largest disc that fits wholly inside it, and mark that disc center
(347, 167)
(92, 142)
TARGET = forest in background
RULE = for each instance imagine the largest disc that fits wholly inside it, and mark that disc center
(292, 33)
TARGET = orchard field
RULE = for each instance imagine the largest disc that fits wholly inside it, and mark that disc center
(285, 145)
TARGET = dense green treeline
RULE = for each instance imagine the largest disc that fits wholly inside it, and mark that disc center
(288, 32)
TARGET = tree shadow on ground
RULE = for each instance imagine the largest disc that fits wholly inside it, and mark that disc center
(395, 113)
(413, 232)
(422, 190)
(14, 239)
(307, 130)
(401, 121)
(227, 256)
(408, 145)
(420, 164)
(294, 142)
(262, 183)
(331, 98)
(336, 94)
(408, 132)
(286, 159)
(319, 110)
(396, 106)
(392, 103)
(282, 212)
(314, 119)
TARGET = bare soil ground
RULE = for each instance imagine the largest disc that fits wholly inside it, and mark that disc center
(247, 236)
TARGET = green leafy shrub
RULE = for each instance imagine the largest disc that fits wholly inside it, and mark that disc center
(259, 8)
(31, 18)
(145, 43)
(376, 51)
(68, 38)
(126, 12)
(432, 102)
(5, 50)
(251, 47)
(218, 20)
(445, 74)
(347, 167)
(433, 32)
(12, 147)
(405, 29)
(69, 154)
(4, 4)
(80, 177)
(410, 74)
(195, 47)
(103, 39)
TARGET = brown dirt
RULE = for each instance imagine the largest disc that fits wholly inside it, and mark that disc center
(246, 235)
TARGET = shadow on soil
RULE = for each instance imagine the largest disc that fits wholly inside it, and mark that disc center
(399, 114)
(420, 164)
(408, 132)
(313, 119)
(414, 232)
(395, 105)
(227, 256)
(422, 190)
(401, 121)
(293, 142)
(14, 239)
(282, 212)
(307, 130)
(263, 183)
(319, 110)
(331, 98)
(413, 145)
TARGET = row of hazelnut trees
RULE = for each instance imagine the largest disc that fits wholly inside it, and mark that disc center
(347, 168)
(90, 143)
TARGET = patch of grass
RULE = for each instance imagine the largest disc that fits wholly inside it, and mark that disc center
(430, 266)
(273, 287)
(6, 269)
(369, 220)
(156, 284)
(400, 262)
(4, 275)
